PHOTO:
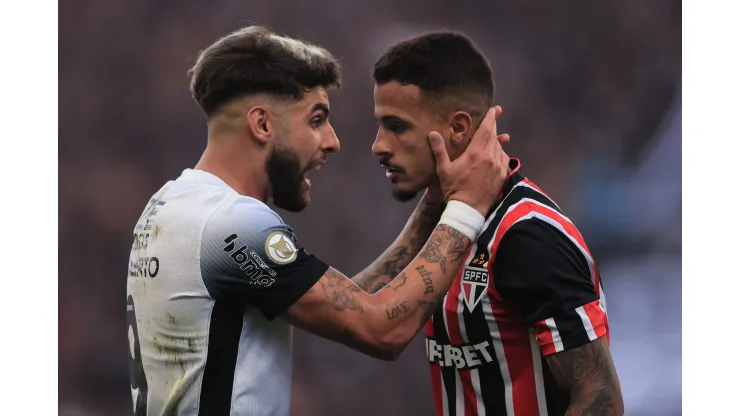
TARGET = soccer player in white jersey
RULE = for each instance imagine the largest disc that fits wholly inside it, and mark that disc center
(216, 278)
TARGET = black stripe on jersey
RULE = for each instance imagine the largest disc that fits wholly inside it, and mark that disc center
(570, 323)
(448, 373)
(491, 379)
(557, 399)
(223, 346)
(519, 193)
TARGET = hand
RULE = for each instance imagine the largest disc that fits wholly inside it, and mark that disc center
(434, 193)
(477, 176)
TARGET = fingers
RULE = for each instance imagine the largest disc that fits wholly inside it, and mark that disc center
(483, 134)
(503, 138)
(497, 110)
(439, 151)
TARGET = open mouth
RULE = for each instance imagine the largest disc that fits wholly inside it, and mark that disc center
(311, 167)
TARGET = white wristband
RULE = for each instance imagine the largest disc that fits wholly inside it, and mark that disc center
(463, 218)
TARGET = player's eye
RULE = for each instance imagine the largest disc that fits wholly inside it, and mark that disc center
(397, 128)
(317, 121)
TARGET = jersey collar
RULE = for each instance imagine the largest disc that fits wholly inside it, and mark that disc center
(515, 176)
(204, 177)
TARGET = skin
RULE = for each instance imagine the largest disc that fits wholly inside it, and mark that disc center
(242, 136)
(268, 123)
(405, 119)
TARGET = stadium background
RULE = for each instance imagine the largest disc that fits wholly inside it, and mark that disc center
(591, 93)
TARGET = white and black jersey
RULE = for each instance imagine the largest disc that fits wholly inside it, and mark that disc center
(209, 271)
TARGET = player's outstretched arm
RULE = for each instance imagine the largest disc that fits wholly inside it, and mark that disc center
(381, 325)
(406, 246)
(588, 374)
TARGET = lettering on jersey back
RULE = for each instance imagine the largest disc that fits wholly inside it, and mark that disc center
(141, 263)
(143, 267)
(464, 356)
(145, 221)
(258, 273)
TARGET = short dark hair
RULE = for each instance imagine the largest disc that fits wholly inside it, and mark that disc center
(255, 60)
(446, 66)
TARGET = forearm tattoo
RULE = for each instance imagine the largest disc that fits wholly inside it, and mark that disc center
(383, 270)
(340, 291)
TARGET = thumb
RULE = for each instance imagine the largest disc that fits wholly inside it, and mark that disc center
(439, 151)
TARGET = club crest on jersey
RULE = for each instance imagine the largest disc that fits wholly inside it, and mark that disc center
(474, 285)
(280, 248)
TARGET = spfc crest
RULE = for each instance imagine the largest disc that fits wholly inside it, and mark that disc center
(474, 285)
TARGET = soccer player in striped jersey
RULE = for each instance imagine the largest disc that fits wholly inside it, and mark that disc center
(523, 331)
(216, 278)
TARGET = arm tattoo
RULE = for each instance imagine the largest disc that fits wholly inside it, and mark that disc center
(427, 278)
(383, 270)
(340, 291)
(588, 374)
(397, 311)
(430, 307)
(426, 221)
(433, 254)
(400, 281)
(389, 265)
(456, 249)
(453, 242)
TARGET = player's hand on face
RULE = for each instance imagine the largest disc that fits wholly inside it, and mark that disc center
(477, 176)
(434, 192)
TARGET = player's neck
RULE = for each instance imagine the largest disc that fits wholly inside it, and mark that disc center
(247, 177)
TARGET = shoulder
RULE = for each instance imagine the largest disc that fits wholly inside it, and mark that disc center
(242, 211)
(244, 221)
(245, 216)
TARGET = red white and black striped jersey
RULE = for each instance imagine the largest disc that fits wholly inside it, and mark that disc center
(529, 288)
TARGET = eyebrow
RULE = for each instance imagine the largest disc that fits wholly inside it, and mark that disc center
(321, 107)
(391, 118)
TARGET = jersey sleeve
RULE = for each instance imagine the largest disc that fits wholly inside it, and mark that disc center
(543, 274)
(249, 253)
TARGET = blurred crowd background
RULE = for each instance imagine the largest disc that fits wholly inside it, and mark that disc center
(591, 93)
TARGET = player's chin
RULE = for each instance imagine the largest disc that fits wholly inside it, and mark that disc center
(405, 192)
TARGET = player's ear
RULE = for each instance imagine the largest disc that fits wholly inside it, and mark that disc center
(462, 130)
(261, 123)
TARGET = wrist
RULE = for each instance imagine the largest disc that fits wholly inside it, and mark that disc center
(463, 218)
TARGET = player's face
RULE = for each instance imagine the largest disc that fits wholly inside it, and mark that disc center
(304, 139)
(402, 141)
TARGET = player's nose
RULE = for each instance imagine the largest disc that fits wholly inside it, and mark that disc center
(380, 145)
(331, 141)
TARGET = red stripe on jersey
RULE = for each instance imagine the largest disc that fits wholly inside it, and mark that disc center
(514, 335)
(573, 233)
(518, 353)
(435, 371)
(568, 226)
(452, 302)
(597, 317)
(507, 221)
(544, 337)
(533, 185)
